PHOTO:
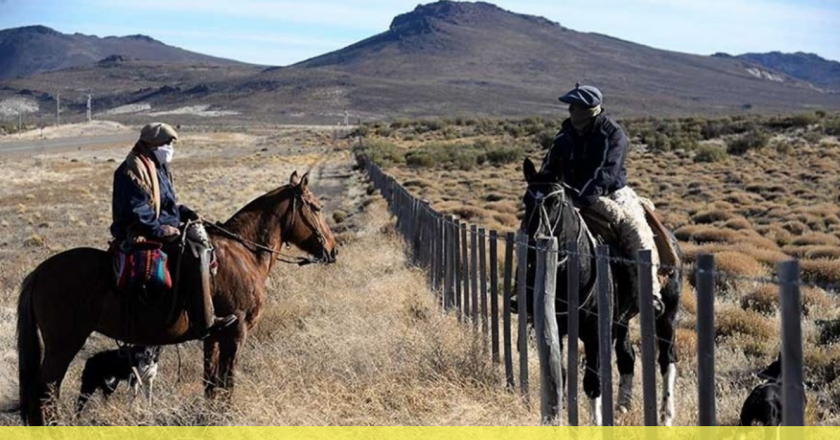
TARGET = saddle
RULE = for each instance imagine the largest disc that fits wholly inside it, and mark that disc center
(141, 266)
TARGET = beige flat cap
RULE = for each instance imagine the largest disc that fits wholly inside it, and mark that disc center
(157, 134)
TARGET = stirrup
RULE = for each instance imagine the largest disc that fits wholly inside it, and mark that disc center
(658, 307)
(219, 324)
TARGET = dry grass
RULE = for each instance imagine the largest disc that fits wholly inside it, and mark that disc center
(749, 211)
(319, 355)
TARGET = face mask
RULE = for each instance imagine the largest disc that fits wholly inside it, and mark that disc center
(164, 153)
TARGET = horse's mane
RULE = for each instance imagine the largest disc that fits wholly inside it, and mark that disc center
(248, 221)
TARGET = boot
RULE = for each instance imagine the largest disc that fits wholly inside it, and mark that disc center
(203, 320)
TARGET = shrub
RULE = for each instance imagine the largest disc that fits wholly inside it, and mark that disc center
(381, 153)
(763, 300)
(754, 140)
(709, 154)
(715, 215)
(832, 127)
(545, 139)
(821, 271)
(817, 240)
(738, 224)
(803, 120)
(735, 321)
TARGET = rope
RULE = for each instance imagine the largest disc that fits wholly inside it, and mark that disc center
(256, 247)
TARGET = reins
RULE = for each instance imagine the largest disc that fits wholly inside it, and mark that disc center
(257, 247)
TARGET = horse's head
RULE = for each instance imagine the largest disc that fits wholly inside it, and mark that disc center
(304, 224)
(547, 204)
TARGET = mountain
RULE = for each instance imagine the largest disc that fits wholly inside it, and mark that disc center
(804, 66)
(441, 59)
(36, 49)
(497, 61)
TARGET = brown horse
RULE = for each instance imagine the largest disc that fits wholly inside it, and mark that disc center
(71, 295)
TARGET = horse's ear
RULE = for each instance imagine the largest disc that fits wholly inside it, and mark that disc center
(304, 182)
(295, 179)
(529, 169)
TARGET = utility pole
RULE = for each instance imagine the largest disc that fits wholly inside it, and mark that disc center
(20, 122)
(346, 117)
(88, 109)
(58, 109)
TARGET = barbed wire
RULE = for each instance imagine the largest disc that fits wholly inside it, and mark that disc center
(681, 269)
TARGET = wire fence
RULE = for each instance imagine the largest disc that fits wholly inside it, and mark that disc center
(466, 278)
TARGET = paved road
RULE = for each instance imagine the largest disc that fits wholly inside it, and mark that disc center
(64, 144)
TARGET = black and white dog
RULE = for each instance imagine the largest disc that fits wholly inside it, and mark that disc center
(105, 370)
(763, 407)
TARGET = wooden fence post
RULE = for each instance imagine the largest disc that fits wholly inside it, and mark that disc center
(522, 311)
(793, 394)
(494, 296)
(648, 329)
(510, 241)
(465, 271)
(447, 267)
(706, 340)
(482, 278)
(573, 321)
(457, 273)
(605, 319)
(474, 273)
(546, 330)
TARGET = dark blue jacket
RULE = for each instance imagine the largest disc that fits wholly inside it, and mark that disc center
(131, 208)
(592, 164)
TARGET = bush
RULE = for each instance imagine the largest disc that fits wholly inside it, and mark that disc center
(709, 154)
(463, 156)
(832, 127)
(545, 139)
(381, 153)
(754, 140)
(803, 120)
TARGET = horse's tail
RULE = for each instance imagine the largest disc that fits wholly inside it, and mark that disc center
(29, 349)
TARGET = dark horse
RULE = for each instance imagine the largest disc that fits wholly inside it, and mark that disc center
(549, 211)
(71, 295)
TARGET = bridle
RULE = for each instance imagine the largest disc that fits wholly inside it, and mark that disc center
(307, 219)
(289, 223)
(540, 199)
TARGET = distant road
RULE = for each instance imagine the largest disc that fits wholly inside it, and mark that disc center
(63, 144)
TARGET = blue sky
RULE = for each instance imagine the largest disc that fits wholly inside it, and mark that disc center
(283, 32)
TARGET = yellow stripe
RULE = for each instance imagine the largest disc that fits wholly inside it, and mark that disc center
(414, 433)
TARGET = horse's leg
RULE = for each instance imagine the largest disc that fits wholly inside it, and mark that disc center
(591, 378)
(626, 360)
(211, 366)
(57, 358)
(665, 331)
(229, 345)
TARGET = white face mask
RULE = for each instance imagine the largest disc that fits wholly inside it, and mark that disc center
(164, 153)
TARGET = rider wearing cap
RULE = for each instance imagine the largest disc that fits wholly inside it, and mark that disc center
(144, 207)
(589, 155)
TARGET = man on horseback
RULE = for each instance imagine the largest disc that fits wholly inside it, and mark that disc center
(145, 209)
(589, 156)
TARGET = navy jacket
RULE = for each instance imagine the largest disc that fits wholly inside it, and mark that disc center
(131, 208)
(592, 164)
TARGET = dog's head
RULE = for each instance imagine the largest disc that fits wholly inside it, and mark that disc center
(773, 372)
(146, 357)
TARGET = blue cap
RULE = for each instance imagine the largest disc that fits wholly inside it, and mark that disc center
(586, 96)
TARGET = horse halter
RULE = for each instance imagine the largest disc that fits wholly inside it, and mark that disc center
(540, 199)
(298, 195)
(544, 217)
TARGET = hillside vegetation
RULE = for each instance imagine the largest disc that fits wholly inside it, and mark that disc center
(752, 190)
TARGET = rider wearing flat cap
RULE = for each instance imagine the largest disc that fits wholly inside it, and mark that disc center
(145, 208)
(589, 155)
